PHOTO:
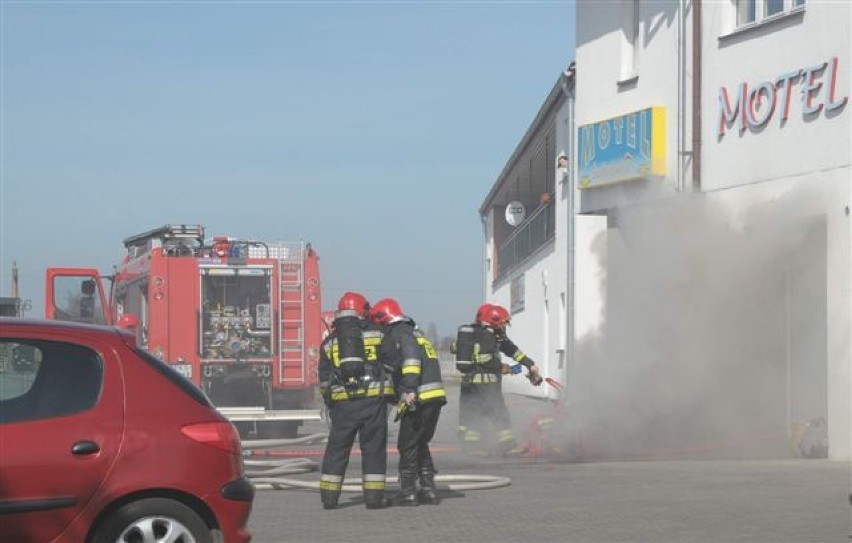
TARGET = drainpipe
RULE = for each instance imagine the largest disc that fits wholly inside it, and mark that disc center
(569, 85)
(484, 220)
(681, 91)
(696, 95)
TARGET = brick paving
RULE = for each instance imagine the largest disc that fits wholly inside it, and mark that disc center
(790, 500)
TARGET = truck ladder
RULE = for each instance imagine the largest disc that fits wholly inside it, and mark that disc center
(291, 307)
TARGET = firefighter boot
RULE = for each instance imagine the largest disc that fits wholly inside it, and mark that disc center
(407, 494)
(375, 499)
(329, 498)
(428, 493)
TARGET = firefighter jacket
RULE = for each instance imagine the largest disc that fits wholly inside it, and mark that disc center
(487, 365)
(415, 362)
(377, 380)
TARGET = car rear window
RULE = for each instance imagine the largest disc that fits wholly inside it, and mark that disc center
(47, 379)
(172, 375)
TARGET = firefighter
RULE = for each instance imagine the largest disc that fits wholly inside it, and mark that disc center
(417, 376)
(356, 389)
(477, 348)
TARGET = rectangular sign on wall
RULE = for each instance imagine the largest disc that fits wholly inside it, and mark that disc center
(632, 146)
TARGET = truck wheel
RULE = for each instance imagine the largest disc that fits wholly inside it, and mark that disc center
(157, 517)
(277, 429)
(246, 429)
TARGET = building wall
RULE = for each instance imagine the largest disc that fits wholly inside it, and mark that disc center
(778, 148)
(541, 328)
(602, 93)
(726, 307)
(784, 153)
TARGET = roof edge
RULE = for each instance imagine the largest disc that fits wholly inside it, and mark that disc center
(554, 97)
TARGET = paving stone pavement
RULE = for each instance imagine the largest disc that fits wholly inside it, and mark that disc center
(556, 500)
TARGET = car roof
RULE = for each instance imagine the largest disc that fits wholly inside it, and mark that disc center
(65, 326)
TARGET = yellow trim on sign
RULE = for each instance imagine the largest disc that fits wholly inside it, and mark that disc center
(658, 141)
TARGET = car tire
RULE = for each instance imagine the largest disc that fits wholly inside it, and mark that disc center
(156, 515)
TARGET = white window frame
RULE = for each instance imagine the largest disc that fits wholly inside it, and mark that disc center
(760, 11)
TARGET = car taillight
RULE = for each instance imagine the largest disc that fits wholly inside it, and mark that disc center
(221, 435)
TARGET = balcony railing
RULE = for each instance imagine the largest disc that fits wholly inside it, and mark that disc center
(535, 231)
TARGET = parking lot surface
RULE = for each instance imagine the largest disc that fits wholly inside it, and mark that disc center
(548, 500)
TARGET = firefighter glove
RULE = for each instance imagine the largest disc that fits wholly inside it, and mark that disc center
(534, 376)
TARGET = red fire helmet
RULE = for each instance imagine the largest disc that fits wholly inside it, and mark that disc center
(494, 316)
(355, 301)
(386, 311)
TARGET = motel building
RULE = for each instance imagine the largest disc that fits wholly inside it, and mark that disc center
(687, 276)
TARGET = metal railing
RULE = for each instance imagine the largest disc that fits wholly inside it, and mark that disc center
(535, 231)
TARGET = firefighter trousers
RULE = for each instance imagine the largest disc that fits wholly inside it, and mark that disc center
(416, 429)
(482, 411)
(366, 418)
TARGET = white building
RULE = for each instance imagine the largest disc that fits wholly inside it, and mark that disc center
(707, 273)
(525, 215)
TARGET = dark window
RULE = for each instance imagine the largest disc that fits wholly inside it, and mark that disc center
(531, 182)
(45, 379)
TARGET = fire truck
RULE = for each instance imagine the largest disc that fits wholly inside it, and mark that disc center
(239, 318)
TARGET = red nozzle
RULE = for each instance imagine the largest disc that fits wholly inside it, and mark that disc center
(554, 383)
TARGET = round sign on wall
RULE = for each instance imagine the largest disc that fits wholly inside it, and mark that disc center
(515, 213)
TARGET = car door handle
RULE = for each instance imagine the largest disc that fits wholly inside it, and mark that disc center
(85, 447)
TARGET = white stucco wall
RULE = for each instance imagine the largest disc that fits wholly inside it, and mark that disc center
(806, 154)
(777, 149)
(780, 173)
(541, 329)
(797, 199)
(601, 95)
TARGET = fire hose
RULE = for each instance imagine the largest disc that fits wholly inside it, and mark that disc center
(266, 474)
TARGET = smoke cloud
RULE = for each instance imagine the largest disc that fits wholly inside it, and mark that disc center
(713, 336)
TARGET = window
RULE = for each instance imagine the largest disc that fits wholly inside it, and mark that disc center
(132, 298)
(755, 11)
(19, 363)
(773, 7)
(746, 12)
(76, 298)
(630, 40)
(517, 294)
(45, 379)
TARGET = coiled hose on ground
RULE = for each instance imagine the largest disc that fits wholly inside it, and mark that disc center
(267, 474)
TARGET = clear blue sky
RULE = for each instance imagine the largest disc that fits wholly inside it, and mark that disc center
(373, 130)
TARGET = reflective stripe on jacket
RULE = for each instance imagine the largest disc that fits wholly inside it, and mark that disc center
(487, 365)
(415, 361)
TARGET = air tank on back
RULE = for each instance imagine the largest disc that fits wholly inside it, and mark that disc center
(350, 345)
(465, 342)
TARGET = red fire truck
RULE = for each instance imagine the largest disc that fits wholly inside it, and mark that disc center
(240, 318)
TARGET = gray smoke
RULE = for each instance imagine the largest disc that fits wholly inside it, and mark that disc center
(713, 339)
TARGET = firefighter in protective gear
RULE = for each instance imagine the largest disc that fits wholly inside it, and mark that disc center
(478, 347)
(357, 389)
(417, 376)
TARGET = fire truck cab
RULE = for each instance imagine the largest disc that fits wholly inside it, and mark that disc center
(240, 318)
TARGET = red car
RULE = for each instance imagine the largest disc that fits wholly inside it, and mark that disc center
(102, 442)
